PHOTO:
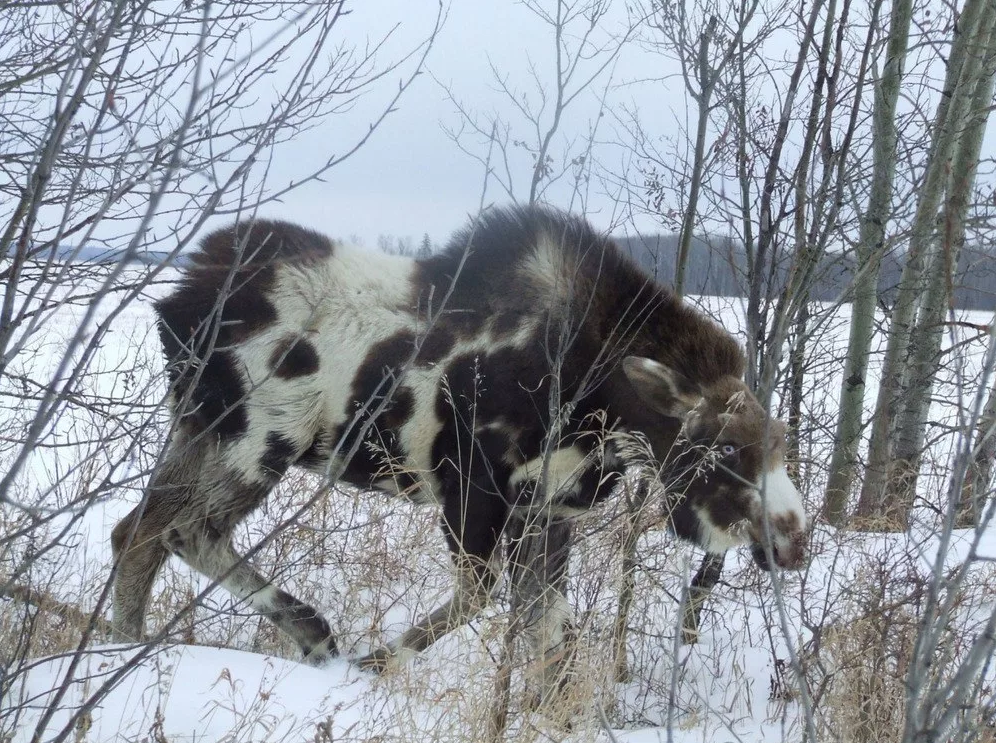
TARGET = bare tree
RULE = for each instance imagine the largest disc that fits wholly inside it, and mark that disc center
(703, 54)
(886, 492)
(871, 245)
(147, 120)
(974, 491)
(938, 301)
(584, 52)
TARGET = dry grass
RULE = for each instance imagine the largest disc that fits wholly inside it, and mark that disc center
(861, 673)
(374, 564)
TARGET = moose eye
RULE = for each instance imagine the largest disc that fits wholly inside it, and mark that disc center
(727, 450)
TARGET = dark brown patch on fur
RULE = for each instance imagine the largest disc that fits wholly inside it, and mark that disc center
(316, 456)
(465, 323)
(508, 323)
(217, 398)
(279, 454)
(288, 610)
(508, 386)
(294, 357)
(384, 360)
(506, 390)
(371, 388)
(399, 410)
(222, 300)
(261, 243)
(242, 258)
(786, 523)
(609, 295)
(439, 342)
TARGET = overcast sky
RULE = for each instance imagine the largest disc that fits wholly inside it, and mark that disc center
(411, 178)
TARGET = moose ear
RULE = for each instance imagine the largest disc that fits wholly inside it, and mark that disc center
(665, 390)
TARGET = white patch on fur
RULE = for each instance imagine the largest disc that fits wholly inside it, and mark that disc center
(548, 632)
(343, 306)
(561, 474)
(263, 600)
(779, 495)
(718, 540)
(419, 433)
(543, 266)
(400, 656)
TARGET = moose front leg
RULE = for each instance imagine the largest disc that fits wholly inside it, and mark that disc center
(472, 523)
(539, 552)
(476, 583)
(706, 578)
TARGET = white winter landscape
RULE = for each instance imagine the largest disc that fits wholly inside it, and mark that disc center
(371, 564)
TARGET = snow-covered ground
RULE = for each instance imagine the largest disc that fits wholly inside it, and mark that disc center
(372, 565)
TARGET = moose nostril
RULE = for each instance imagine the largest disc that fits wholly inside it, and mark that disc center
(793, 556)
(760, 556)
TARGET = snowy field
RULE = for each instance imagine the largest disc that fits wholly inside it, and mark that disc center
(372, 565)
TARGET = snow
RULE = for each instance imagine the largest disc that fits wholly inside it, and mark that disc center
(198, 693)
(372, 565)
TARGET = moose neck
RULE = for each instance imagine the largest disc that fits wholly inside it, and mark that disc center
(642, 318)
(634, 316)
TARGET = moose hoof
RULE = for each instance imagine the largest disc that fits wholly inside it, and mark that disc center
(320, 654)
(384, 659)
(376, 662)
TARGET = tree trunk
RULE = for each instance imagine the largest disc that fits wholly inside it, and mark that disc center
(871, 246)
(707, 79)
(925, 340)
(974, 488)
(797, 374)
(875, 507)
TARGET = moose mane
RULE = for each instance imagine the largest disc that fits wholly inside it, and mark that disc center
(521, 260)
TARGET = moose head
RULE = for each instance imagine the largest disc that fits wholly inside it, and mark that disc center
(724, 468)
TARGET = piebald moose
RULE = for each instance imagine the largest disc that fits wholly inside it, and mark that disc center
(505, 379)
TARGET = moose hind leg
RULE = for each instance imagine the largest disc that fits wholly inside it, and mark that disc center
(538, 560)
(139, 552)
(139, 555)
(476, 584)
(203, 538)
(208, 549)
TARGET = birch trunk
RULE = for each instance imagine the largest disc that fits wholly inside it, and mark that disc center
(707, 81)
(871, 245)
(925, 340)
(974, 488)
(797, 375)
(959, 88)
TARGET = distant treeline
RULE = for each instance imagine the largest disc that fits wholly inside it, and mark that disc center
(101, 254)
(717, 267)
